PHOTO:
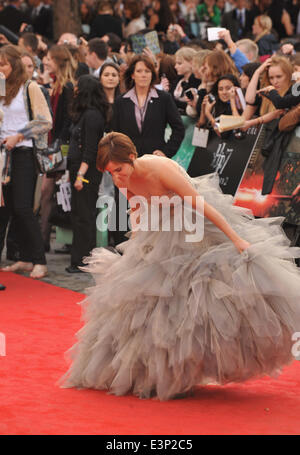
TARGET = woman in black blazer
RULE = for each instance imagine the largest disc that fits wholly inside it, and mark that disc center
(144, 111)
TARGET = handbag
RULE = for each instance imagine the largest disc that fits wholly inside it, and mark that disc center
(47, 159)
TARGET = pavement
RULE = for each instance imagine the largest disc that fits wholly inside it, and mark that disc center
(57, 275)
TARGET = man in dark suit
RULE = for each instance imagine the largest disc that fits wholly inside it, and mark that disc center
(105, 21)
(41, 18)
(239, 21)
(12, 17)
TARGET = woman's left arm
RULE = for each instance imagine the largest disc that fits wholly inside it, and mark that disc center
(173, 180)
(174, 120)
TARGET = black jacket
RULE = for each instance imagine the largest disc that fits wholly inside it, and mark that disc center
(160, 112)
(267, 44)
(231, 22)
(62, 121)
(105, 23)
(12, 18)
(84, 138)
(43, 22)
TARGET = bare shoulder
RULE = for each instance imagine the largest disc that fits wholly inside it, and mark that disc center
(157, 164)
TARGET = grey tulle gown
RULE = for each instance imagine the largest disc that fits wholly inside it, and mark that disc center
(168, 315)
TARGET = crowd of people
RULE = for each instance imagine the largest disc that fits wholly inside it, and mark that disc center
(75, 89)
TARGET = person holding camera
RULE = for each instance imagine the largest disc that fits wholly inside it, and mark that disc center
(221, 101)
(183, 65)
(16, 135)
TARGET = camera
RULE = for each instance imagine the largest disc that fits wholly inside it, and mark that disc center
(28, 29)
(189, 93)
(211, 98)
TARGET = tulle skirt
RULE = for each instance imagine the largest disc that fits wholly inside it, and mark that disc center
(168, 314)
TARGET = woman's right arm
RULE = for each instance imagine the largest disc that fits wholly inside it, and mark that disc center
(173, 180)
(253, 84)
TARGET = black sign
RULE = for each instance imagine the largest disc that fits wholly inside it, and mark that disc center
(228, 157)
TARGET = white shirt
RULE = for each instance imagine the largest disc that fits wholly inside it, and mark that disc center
(15, 118)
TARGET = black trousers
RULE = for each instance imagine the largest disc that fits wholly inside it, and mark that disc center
(19, 198)
(83, 216)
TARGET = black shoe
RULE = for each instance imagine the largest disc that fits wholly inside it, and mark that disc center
(2, 287)
(73, 269)
(66, 249)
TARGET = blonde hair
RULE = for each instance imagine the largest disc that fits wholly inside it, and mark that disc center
(265, 22)
(66, 67)
(287, 68)
(199, 57)
(187, 53)
(250, 46)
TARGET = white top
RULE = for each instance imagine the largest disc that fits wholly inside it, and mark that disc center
(134, 26)
(15, 118)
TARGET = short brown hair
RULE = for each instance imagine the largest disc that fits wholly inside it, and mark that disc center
(115, 147)
(129, 82)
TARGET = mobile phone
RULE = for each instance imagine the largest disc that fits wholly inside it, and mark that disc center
(211, 98)
(189, 93)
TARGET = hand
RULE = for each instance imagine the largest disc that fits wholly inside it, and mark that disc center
(179, 30)
(241, 245)
(171, 33)
(41, 45)
(264, 65)
(165, 84)
(287, 49)
(147, 51)
(266, 89)
(3, 39)
(158, 153)
(22, 27)
(225, 35)
(232, 92)
(78, 185)
(11, 141)
(208, 107)
(192, 102)
(83, 42)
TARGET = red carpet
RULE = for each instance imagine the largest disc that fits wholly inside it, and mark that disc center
(39, 322)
